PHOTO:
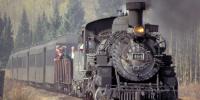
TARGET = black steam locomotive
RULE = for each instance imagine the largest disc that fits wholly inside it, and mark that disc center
(117, 58)
(125, 60)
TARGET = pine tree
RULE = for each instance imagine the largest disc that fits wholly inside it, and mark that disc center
(8, 37)
(37, 37)
(113, 6)
(1, 25)
(6, 40)
(2, 38)
(23, 37)
(42, 29)
(55, 22)
(45, 27)
(74, 17)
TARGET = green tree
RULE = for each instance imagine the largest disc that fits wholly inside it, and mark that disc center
(6, 40)
(74, 17)
(55, 22)
(2, 36)
(113, 6)
(45, 27)
(1, 25)
(23, 37)
(42, 29)
(37, 35)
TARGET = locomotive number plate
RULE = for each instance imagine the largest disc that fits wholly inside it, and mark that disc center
(138, 56)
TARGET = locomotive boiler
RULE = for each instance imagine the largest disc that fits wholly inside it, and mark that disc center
(125, 59)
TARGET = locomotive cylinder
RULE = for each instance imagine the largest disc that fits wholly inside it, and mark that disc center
(135, 8)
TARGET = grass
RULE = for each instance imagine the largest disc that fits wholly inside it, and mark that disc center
(189, 92)
(15, 90)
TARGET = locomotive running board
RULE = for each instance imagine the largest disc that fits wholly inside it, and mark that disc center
(136, 92)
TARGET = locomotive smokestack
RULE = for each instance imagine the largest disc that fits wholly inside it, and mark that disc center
(135, 8)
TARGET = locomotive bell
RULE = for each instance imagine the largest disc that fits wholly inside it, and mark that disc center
(135, 8)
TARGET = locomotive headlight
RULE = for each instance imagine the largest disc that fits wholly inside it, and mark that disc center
(139, 30)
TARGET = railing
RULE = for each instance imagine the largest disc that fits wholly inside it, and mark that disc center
(138, 92)
(63, 71)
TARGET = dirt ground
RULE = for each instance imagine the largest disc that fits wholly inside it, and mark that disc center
(189, 92)
(18, 91)
(14, 90)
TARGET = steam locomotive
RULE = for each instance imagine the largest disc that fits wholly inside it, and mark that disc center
(125, 59)
(117, 58)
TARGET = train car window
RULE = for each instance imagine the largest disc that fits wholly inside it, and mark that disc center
(50, 57)
(17, 62)
(20, 62)
(14, 62)
(93, 39)
(34, 63)
(32, 60)
(52, 53)
(47, 58)
(24, 62)
(25, 59)
(11, 63)
(90, 42)
(42, 59)
(39, 60)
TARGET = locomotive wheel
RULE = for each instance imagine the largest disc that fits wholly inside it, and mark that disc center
(88, 96)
